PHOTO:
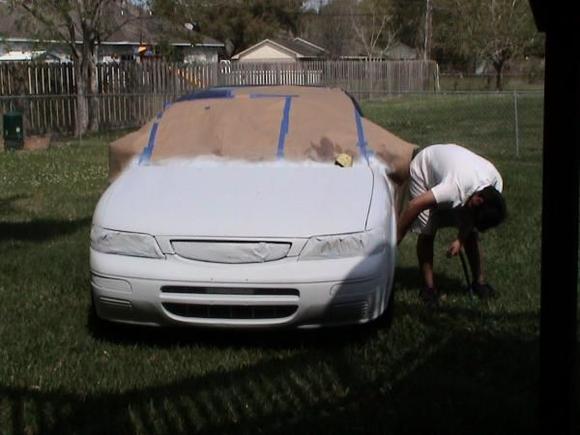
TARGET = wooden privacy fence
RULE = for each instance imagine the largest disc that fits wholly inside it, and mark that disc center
(362, 78)
(129, 94)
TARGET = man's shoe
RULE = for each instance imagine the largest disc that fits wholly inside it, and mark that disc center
(483, 291)
(430, 297)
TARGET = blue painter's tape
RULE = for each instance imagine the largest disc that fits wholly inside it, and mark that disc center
(146, 155)
(362, 140)
(272, 96)
(208, 94)
(284, 127)
(148, 150)
(165, 107)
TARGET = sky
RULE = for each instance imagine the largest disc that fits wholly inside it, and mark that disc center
(314, 3)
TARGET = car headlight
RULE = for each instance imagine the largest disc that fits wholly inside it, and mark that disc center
(345, 245)
(123, 243)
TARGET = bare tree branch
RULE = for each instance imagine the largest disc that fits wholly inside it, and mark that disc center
(373, 24)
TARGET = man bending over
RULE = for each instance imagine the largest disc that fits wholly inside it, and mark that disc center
(452, 186)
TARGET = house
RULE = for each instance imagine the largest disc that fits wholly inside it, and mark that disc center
(281, 50)
(400, 51)
(28, 56)
(136, 34)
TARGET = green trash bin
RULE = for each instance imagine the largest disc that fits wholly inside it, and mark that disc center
(13, 130)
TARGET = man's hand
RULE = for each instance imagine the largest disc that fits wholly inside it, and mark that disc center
(454, 248)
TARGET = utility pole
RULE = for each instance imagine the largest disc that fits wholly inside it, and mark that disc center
(428, 29)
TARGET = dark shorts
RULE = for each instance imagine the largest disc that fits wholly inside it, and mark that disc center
(429, 221)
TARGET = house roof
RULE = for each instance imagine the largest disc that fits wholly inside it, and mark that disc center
(133, 26)
(18, 56)
(301, 48)
(151, 29)
(400, 50)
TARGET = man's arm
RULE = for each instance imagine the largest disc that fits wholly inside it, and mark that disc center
(465, 229)
(415, 207)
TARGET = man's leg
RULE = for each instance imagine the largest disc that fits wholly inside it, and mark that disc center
(425, 257)
(479, 286)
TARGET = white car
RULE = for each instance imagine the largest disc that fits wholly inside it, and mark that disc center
(218, 242)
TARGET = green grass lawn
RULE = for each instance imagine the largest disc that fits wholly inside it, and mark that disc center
(454, 82)
(470, 367)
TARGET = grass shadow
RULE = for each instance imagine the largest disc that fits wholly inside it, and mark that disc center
(7, 203)
(491, 387)
(280, 338)
(41, 229)
(488, 387)
(410, 278)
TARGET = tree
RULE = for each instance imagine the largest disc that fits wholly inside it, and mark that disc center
(239, 23)
(374, 25)
(415, 24)
(331, 27)
(81, 25)
(354, 27)
(492, 30)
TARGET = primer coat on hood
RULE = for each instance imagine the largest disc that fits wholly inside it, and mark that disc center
(238, 200)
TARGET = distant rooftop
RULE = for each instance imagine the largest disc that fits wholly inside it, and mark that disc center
(300, 47)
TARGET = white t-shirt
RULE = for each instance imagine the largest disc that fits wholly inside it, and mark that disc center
(452, 173)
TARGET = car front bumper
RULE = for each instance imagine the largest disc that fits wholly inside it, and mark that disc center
(288, 292)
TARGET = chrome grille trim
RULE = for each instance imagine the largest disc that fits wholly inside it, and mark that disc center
(231, 251)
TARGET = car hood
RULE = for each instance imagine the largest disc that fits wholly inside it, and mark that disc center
(238, 200)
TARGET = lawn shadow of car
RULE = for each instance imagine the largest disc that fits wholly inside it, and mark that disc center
(40, 230)
(463, 382)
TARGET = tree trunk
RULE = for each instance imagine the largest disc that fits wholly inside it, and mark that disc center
(82, 112)
(371, 73)
(92, 86)
(86, 81)
(19, 72)
(498, 75)
(428, 30)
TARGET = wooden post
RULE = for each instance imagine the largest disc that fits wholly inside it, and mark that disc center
(558, 343)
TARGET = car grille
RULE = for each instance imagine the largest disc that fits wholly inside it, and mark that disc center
(231, 252)
(229, 291)
(204, 311)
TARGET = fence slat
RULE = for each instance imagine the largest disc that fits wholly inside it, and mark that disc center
(128, 94)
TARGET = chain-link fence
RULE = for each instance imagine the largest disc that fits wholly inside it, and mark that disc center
(409, 98)
(505, 122)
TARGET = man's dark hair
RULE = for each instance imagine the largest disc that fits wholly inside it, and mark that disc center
(492, 211)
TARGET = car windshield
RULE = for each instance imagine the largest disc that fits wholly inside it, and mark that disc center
(257, 127)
